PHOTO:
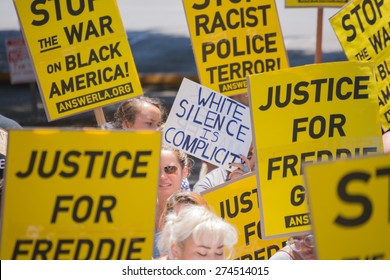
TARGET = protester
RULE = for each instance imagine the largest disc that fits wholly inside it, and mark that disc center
(174, 204)
(175, 167)
(138, 113)
(196, 233)
(297, 248)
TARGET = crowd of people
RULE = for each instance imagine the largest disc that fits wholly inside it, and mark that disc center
(184, 233)
(185, 226)
(193, 231)
(180, 233)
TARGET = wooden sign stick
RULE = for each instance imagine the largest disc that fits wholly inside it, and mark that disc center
(99, 115)
(318, 53)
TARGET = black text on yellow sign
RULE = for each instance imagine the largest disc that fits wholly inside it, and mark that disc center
(383, 71)
(317, 127)
(82, 59)
(353, 208)
(366, 13)
(234, 39)
(310, 114)
(86, 164)
(363, 29)
(237, 202)
(72, 196)
(79, 249)
(383, 76)
(359, 177)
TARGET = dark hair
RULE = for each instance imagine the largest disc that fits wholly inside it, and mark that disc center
(128, 109)
(180, 197)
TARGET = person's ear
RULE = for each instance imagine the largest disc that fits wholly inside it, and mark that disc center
(175, 251)
(125, 124)
(185, 172)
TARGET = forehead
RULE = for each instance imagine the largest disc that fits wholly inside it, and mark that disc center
(300, 237)
(169, 156)
(146, 107)
(205, 243)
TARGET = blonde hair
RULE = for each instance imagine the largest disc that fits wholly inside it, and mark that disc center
(199, 223)
(182, 157)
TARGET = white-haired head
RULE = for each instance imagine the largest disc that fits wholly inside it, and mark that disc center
(199, 224)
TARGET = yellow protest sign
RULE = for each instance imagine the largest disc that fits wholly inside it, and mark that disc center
(307, 114)
(349, 204)
(363, 29)
(234, 39)
(237, 202)
(382, 71)
(315, 3)
(81, 54)
(80, 194)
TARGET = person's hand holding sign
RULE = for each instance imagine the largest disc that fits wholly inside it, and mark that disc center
(247, 165)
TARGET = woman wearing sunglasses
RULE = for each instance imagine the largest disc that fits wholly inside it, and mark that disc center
(175, 167)
(297, 248)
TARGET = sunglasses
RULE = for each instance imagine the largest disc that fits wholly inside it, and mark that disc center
(308, 241)
(170, 169)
